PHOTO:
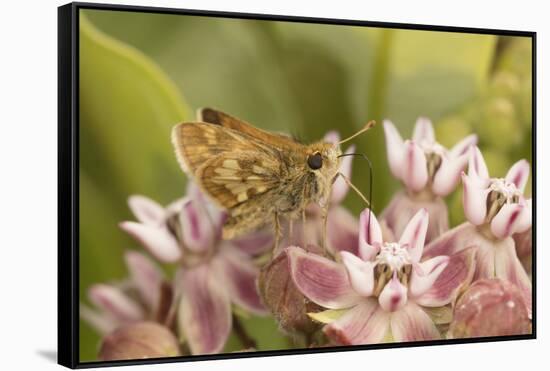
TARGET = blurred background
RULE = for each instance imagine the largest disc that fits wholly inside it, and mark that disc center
(142, 73)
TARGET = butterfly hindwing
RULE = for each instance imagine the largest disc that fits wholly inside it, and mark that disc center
(238, 177)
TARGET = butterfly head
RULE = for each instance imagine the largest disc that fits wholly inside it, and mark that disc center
(322, 158)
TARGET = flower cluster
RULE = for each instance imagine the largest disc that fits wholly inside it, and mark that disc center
(400, 276)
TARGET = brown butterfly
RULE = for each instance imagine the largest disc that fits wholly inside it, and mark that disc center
(257, 176)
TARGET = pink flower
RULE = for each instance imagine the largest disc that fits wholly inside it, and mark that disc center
(378, 295)
(213, 273)
(422, 163)
(428, 171)
(495, 209)
(144, 296)
(496, 202)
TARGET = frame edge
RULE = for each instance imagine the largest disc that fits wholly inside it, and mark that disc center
(67, 314)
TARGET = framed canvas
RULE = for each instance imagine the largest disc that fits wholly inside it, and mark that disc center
(241, 185)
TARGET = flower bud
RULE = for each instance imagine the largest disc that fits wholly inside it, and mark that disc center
(137, 341)
(281, 296)
(490, 307)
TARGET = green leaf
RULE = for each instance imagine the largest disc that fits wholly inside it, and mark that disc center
(327, 316)
(127, 109)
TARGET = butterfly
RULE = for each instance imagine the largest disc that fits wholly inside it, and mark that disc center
(256, 175)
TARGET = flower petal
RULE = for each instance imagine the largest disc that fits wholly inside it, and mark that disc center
(100, 322)
(415, 171)
(448, 174)
(254, 243)
(323, 281)
(175, 207)
(204, 313)
(342, 231)
(146, 210)
(216, 214)
(477, 168)
(366, 323)
(340, 187)
(361, 273)
(238, 274)
(158, 241)
(115, 303)
(332, 137)
(402, 208)
(510, 219)
(198, 233)
(448, 285)
(394, 295)
(146, 275)
(394, 148)
(463, 147)
(424, 275)
(508, 267)
(423, 131)
(453, 241)
(370, 235)
(411, 323)
(474, 200)
(519, 174)
(414, 234)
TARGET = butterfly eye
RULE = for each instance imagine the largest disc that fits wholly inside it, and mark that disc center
(315, 161)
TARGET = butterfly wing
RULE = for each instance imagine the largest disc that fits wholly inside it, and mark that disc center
(230, 166)
(235, 178)
(214, 116)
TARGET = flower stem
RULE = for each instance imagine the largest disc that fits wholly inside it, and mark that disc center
(246, 340)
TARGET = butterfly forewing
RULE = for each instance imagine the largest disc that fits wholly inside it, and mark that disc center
(196, 143)
(220, 118)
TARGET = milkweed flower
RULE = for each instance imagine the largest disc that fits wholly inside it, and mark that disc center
(145, 295)
(428, 171)
(213, 273)
(495, 209)
(379, 294)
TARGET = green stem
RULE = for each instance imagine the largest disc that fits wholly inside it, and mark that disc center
(246, 340)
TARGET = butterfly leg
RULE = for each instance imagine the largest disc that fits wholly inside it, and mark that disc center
(324, 216)
(277, 226)
(304, 227)
(290, 230)
(355, 189)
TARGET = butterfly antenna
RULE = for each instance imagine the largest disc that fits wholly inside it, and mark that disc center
(364, 156)
(367, 126)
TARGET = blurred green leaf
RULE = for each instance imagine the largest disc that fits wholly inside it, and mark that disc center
(127, 108)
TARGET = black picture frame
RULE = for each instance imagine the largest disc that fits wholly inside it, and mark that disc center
(68, 181)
